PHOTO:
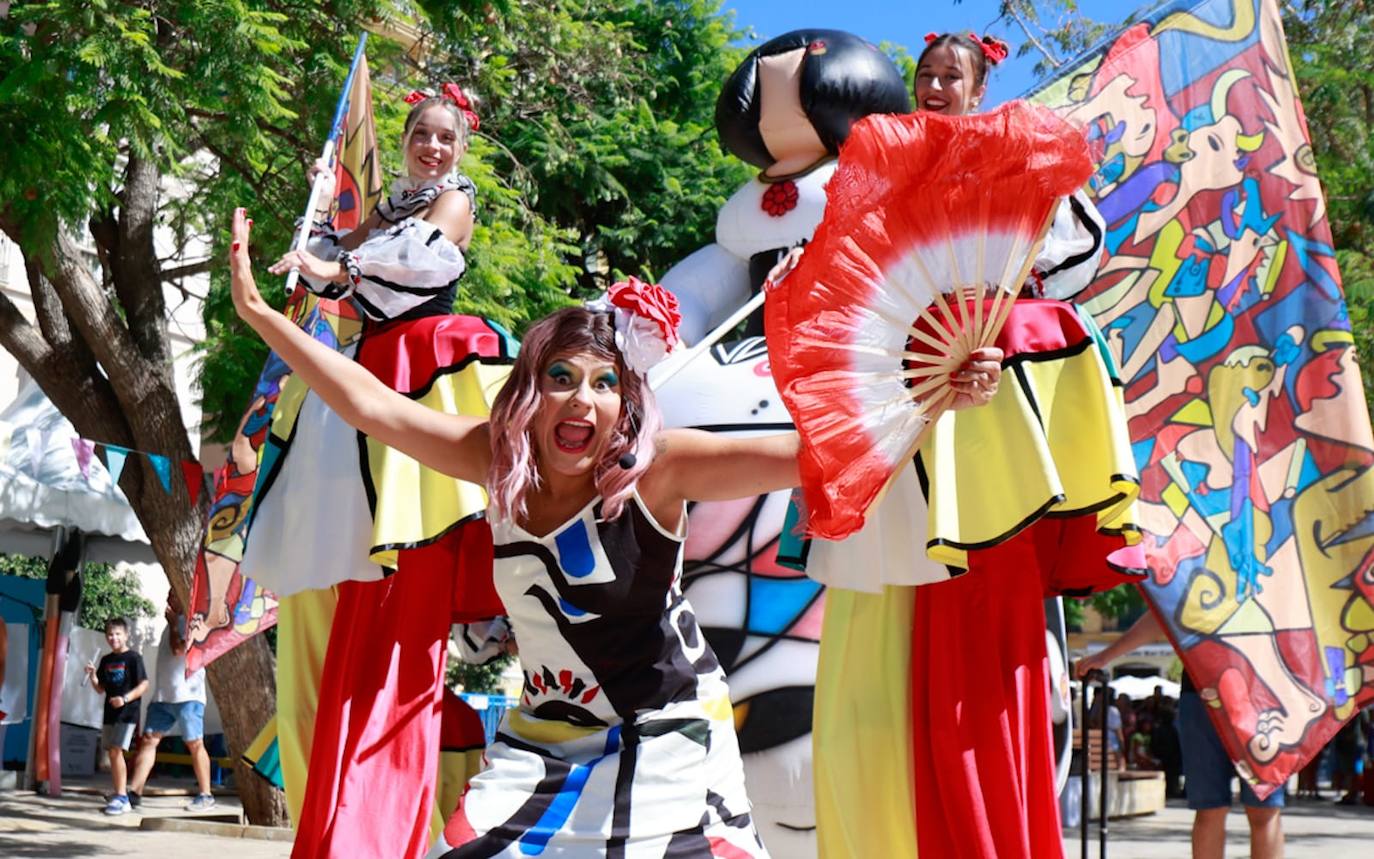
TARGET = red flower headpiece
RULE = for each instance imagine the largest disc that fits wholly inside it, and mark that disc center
(453, 93)
(646, 321)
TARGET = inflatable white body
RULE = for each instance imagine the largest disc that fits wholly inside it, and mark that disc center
(763, 620)
(714, 281)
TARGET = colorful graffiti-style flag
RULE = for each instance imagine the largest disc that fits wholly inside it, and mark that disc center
(1222, 303)
(358, 175)
(226, 607)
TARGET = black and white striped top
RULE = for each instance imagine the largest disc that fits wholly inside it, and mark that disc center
(406, 268)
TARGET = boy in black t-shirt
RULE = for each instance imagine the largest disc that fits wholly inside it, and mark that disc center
(121, 678)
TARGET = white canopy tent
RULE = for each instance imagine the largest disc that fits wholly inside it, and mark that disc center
(42, 487)
(1140, 688)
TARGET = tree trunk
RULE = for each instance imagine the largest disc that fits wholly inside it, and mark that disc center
(110, 374)
(244, 711)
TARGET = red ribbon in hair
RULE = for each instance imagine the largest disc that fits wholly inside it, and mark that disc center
(994, 49)
(453, 93)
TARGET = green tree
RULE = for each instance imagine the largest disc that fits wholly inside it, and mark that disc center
(1054, 31)
(477, 678)
(1122, 604)
(597, 157)
(119, 117)
(105, 592)
(605, 116)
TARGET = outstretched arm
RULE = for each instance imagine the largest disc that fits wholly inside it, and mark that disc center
(453, 444)
(1144, 631)
(695, 465)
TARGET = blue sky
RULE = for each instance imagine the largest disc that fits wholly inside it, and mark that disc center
(906, 23)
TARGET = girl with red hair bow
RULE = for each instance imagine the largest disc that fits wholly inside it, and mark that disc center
(367, 549)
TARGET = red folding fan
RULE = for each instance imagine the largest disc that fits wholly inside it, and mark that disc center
(931, 225)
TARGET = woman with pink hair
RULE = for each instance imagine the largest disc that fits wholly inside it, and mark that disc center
(624, 742)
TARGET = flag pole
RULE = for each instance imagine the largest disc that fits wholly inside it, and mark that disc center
(336, 131)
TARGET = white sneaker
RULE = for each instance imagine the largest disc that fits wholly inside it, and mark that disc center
(203, 802)
(118, 805)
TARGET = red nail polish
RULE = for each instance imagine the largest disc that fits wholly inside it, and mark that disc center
(250, 222)
(234, 247)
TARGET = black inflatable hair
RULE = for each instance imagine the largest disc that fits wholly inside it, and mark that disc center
(843, 78)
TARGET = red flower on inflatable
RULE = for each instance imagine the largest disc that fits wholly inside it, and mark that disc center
(780, 199)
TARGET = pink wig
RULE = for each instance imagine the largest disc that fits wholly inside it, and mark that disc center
(514, 470)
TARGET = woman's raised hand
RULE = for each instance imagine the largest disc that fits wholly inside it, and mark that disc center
(784, 267)
(308, 264)
(321, 168)
(976, 382)
(247, 299)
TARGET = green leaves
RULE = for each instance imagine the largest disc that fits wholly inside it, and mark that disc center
(597, 156)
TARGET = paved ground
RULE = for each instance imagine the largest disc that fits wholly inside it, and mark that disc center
(73, 827)
(1315, 829)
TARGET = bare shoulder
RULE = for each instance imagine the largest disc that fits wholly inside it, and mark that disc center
(452, 213)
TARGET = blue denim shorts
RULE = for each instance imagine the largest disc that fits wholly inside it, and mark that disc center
(163, 717)
(1207, 771)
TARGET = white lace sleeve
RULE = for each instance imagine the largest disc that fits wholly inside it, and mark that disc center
(1073, 248)
(480, 642)
(413, 253)
(402, 267)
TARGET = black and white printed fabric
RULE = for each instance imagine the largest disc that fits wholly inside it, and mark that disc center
(623, 743)
(406, 267)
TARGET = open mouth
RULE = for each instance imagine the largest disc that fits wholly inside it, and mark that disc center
(573, 436)
(428, 161)
(935, 103)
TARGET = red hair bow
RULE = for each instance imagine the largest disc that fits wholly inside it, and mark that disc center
(994, 49)
(453, 93)
(931, 36)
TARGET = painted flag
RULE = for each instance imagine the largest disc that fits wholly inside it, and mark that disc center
(226, 608)
(1222, 303)
(357, 173)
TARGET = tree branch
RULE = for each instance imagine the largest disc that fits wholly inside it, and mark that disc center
(190, 269)
(20, 338)
(137, 280)
(48, 308)
(1015, 15)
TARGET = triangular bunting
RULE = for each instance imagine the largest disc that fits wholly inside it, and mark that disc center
(194, 476)
(115, 457)
(163, 466)
(83, 449)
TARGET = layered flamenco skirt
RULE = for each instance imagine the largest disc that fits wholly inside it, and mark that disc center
(932, 734)
(374, 556)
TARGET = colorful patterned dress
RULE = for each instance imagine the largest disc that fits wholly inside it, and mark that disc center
(932, 725)
(624, 743)
(372, 553)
